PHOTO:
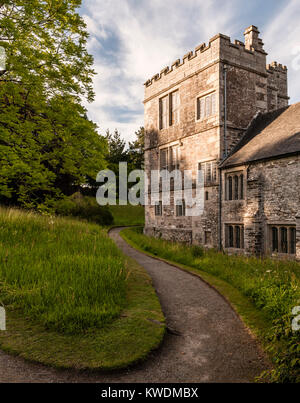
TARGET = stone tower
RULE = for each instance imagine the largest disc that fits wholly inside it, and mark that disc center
(184, 122)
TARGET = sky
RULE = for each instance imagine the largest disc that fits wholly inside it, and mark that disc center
(132, 40)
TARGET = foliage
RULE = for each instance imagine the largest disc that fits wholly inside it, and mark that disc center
(48, 147)
(117, 152)
(66, 275)
(287, 359)
(84, 207)
(271, 285)
(137, 149)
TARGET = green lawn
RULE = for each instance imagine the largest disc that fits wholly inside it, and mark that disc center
(72, 298)
(263, 291)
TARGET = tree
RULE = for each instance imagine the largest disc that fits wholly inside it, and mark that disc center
(137, 150)
(116, 150)
(47, 144)
(116, 153)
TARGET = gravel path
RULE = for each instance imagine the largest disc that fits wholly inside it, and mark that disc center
(208, 342)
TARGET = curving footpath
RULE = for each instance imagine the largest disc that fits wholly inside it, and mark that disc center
(206, 342)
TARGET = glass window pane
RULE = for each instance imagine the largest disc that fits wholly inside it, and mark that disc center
(274, 239)
(242, 187)
(284, 240)
(213, 104)
(238, 237)
(207, 106)
(230, 236)
(236, 188)
(293, 240)
(208, 172)
(198, 109)
(214, 172)
(164, 113)
(174, 107)
(202, 108)
(164, 159)
(230, 188)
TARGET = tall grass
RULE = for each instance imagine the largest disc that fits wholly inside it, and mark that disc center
(273, 286)
(66, 274)
(128, 215)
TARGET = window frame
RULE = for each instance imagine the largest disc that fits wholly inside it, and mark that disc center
(180, 204)
(208, 104)
(172, 158)
(174, 111)
(166, 165)
(210, 167)
(166, 111)
(164, 114)
(172, 165)
(234, 236)
(285, 241)
(235, 186)
(158, 209)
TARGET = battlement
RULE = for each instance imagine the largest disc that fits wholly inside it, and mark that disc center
(274, 66)
(178, 63)
(253, 44)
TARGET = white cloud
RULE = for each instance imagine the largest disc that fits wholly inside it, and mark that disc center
(150, 35)
(132, 40)
(282, 37)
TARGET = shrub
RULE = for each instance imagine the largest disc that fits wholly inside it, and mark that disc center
(197, 251)
(84, 207)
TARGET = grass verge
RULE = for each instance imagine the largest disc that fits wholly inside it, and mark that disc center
(262, 292)
(123, 336)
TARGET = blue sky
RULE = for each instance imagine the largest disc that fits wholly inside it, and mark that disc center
(131, 40)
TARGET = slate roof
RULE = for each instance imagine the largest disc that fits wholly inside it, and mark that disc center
(270, 135)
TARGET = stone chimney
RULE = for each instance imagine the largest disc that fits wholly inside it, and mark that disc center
(252, 40)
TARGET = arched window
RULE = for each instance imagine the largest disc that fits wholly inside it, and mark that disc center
(230, 188)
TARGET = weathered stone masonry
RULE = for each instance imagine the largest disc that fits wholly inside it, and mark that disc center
(196, 137)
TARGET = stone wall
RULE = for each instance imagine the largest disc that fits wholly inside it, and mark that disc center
(270, 199)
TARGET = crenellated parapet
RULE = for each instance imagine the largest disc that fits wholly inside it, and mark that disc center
(253, 47)
(274, 66)
(277, 86)
(178, 63)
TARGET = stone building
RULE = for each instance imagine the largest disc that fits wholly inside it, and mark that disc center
(222, 110)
